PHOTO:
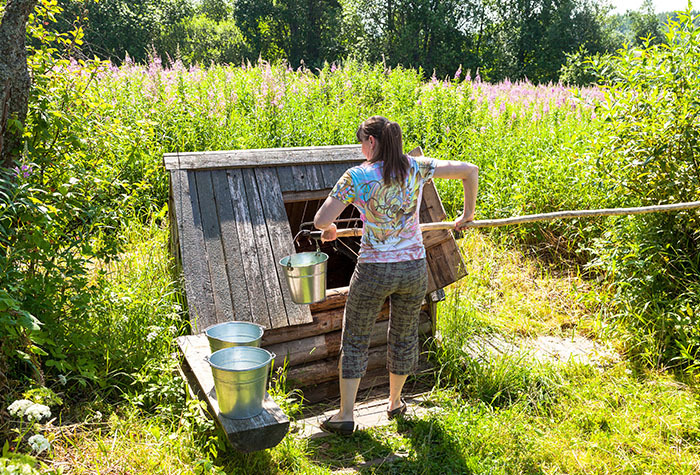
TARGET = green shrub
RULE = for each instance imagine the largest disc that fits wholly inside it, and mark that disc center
(649, 150)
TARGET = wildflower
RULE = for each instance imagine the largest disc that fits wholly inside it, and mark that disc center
(62, 380)
(458, 73)
(19, 407)
(334, 68)
(419, 102)
(24, 170)
(39, 443)
(514, 116)
(483, 129)
(37, 412)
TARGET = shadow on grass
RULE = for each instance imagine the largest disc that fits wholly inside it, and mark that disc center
(427, 448)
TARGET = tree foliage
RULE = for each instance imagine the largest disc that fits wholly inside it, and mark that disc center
(513, 38)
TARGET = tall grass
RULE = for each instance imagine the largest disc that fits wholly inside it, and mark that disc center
(531, 142)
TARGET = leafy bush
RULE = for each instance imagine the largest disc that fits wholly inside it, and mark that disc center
(578, 69)
(649, 149)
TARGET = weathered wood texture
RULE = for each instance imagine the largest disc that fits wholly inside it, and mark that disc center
(263, 157)
(327, 345)
(232, 230)
(246, 435)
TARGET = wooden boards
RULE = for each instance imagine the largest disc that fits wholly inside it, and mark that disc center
(262, 157)
(246, 435)
(233, 230)
(445, 264)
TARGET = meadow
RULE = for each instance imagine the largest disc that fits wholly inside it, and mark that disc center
(93, 173)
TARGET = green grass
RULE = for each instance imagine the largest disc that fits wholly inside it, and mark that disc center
(507, 414)
(500, 415)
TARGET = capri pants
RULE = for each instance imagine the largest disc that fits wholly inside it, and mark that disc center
(405, 284)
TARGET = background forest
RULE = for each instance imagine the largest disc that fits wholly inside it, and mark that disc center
(514, 39)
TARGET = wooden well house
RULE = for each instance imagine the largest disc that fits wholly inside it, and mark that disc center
(234, 215)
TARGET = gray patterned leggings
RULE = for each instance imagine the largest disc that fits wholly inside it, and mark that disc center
(405, 283)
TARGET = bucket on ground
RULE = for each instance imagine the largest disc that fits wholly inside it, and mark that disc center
(240, 378)
(306, 276)
(229, 334)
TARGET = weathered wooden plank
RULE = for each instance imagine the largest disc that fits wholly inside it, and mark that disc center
(286, 179)
(232, 248)
(263, 157)
(443, 265)
(200, 299)
(271, 285)
(249, 253)
(327, 370)
(280, 235)
(334, 298)
(332, 172)
(246, 435)
(318, 347)
(314, 177)
(297, 196)
(301, 178)
(317, 372)
(223, 306)
(375, 379)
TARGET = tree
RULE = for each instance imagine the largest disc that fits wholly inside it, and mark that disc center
(14, 76)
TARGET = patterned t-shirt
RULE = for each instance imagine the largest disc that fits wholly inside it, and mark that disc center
(391, 232)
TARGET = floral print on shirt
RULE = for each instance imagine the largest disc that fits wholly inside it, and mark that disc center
(391, 231)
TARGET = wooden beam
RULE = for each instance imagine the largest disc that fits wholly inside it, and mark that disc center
(327, 345)
(263, 157)
(297, 196)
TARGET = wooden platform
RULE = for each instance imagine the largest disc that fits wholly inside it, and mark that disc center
(246, 435)
(369, 413)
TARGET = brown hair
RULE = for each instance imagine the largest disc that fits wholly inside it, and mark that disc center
(389, 147)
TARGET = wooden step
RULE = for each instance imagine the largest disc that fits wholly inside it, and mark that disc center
(370, 413)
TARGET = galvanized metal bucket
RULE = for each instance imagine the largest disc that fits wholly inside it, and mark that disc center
(229, 334)
(240, 378)
(306, 276)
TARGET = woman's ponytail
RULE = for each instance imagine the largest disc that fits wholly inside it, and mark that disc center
(389, 148)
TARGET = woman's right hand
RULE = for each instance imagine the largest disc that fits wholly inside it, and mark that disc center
(330, 233)
(462, 221)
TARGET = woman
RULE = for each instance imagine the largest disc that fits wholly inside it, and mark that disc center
(387, 191)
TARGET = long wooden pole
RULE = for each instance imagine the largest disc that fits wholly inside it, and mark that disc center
(492, 223)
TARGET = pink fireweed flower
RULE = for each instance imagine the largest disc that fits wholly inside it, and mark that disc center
(24, 170)
(458, 73)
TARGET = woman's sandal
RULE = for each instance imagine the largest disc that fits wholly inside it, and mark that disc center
(399, 411)
(338, 427)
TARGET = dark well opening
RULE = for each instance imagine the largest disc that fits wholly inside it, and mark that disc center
(342, 253)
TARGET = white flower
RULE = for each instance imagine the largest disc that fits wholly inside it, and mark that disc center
(62, 380)
(19, 407)
(37, 412)
(39, 443)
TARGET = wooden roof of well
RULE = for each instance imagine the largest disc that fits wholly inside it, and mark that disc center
(232, 227)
